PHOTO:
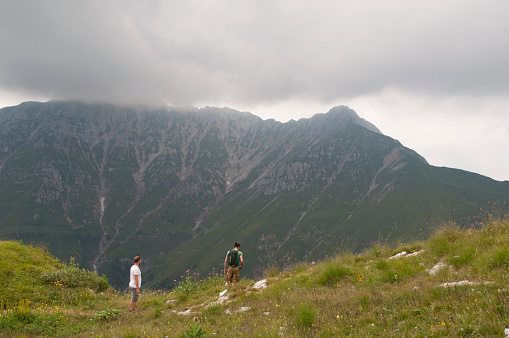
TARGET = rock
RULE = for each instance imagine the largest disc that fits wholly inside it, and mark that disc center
(406, 254)
(461, 282)
(221, 299)
(260, 284)
(242, 309)
(401, 254)
(183, 313)
(434, 270)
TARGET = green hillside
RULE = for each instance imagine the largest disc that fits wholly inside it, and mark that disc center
(454, 284)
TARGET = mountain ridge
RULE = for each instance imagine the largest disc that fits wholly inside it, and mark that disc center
(101, 182)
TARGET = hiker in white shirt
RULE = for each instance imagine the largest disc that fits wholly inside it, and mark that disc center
(135, 282)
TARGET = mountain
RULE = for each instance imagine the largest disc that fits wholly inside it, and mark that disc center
(103, 183)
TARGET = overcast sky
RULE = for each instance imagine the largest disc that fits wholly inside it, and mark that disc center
(432, 74)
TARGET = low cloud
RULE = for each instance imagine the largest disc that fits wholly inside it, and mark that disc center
(252, 52)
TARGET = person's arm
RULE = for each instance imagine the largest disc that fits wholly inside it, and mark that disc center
(225, 261)
(241, 262)
(136, 281)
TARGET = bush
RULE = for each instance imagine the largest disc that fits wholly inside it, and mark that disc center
(194, 330)
(106, 315)
(272, 271)
(304, 316)
(72, 276)
(447, 239)
(333, 272)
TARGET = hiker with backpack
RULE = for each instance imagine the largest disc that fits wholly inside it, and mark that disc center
(232, 264)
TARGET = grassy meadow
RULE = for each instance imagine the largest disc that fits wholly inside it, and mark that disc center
(454, 284)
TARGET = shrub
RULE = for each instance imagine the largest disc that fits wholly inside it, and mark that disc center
(106, 315)
(496, 258)
(192, 283)
(332, 272)
(299, 267)
(212, 309)
(72, 276)
(272, 271)
(304, 316)
(22, 311)
(194, 330)
(446, 240)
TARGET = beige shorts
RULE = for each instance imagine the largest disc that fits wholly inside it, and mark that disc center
(232, 275)
(134, 295)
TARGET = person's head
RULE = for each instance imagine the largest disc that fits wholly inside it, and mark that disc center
(137, 259)
(237, 245)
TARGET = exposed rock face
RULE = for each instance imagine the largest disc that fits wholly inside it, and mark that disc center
(103, 183)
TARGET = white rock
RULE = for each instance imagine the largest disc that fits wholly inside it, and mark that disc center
(462, 282)
(415, 253)
(221, 299)
(406, 254)
(242, 309)
(401, 254)
(434, 270)
(260, 284)
(506, 332)
(183, 313)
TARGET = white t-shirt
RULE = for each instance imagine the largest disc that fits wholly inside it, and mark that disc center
(135, 270)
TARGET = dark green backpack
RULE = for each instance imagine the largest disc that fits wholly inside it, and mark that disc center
(233, 258)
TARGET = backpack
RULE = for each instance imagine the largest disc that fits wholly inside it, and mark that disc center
(233, 258)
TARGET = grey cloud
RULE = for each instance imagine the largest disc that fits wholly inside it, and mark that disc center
(252, 52)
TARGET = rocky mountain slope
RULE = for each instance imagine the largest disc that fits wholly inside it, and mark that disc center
(103, 183)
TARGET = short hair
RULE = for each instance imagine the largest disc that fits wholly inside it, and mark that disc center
(137, 259)
(237, 245)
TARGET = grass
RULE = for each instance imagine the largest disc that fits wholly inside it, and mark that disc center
(359, 295)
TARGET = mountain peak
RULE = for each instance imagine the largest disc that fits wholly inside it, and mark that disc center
(344, 114)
